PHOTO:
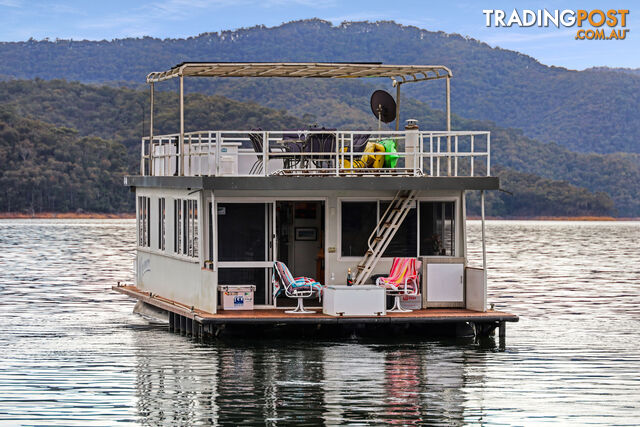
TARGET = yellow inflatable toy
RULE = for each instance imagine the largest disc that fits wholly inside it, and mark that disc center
(367, 160)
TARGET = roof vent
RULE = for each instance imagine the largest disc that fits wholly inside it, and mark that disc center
(411, 124)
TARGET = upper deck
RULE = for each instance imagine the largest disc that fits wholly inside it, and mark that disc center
(461, 158)
(233, 159)
(318, 152)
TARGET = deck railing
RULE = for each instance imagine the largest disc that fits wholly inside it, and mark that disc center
(337, 153)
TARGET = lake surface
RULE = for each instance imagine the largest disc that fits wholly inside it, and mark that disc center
(72, 352)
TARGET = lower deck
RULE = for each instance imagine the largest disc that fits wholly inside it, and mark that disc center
(194, 320)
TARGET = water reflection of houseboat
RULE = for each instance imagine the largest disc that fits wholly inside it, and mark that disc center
(326, 384)
(217, 208)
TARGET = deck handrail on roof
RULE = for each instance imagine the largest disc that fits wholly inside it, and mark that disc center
(419, 153)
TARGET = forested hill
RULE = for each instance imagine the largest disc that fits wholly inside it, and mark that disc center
(49, 168)
(587, 111)
(113, 117)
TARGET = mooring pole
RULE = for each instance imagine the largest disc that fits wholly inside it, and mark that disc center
(484, 243)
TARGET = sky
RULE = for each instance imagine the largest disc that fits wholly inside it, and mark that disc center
(96, 20)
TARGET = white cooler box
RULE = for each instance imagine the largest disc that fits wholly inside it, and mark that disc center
(361, 300)
(236, 297)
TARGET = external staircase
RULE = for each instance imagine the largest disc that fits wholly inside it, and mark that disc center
(382, 235)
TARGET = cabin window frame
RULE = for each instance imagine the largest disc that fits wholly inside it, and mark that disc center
(186, 228)
(144, 221)
(379, 200)
(162, 226)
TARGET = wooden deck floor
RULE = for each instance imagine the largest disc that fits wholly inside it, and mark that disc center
(271, 316)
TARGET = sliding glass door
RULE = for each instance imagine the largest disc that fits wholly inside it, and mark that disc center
(246, 246)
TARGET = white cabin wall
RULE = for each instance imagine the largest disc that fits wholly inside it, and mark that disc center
(166, 273)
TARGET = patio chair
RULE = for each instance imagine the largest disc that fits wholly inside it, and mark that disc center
(322, 143)
(299, 287)
(256, 138)
(360, 142)
(256, 142)
(402, 280)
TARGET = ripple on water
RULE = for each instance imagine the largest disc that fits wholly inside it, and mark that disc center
(74, 354)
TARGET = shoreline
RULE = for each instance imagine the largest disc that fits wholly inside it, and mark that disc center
(67, 215)
(132, 215)
(554, 218)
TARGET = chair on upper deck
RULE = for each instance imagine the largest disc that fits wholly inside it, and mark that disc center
(256, 139)
(402, 280)
(360, 142)
(299, 287)
(322, 143)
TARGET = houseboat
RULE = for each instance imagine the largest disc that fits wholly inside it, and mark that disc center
(312, 231)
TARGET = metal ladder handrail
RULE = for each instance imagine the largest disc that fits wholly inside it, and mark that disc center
(389, 225)
(377, 230)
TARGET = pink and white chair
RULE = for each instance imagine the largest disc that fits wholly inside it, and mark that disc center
(403, 279)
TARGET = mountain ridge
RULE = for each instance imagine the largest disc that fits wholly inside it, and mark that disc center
(549, 103)
(116, 114)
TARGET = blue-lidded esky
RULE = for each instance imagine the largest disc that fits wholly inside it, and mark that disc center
(97, 20)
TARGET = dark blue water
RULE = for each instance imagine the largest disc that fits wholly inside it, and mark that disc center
(73, 352)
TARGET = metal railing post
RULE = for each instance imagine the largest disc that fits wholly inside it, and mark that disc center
(421, 153)
(181, 172)
(455, 160)
(338, 153)
(265, 152)
(209, 166)
(218, 149)
(142, 157)
(448, 125)
(189, 158)
(471, 155)
(430, 154)
(151, 90)
(488, 154)
(438, 157)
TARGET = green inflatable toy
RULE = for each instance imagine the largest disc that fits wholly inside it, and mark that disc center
(389, 145)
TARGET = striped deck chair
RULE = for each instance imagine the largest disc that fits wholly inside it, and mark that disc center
(298, 287)
(402, 280)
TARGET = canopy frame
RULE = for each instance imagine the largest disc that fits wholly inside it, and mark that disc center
(399, 75)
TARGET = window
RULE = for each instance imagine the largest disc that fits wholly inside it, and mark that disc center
(186, 227)
(193, 227)
(161, 223)
(404, 242)
(437, 228)
(358, 221)
(144, 223)
(241, 232)
(177, 226)
(435, 220)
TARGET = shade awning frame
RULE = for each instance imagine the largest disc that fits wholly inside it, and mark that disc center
(398, 74)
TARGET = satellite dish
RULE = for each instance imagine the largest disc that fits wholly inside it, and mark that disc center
(383, 106)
